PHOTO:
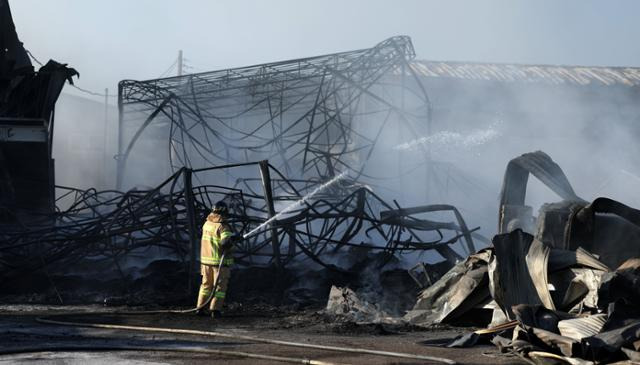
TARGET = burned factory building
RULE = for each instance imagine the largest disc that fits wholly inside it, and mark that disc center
(357, 206)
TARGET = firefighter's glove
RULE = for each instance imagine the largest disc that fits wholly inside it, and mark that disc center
(236, 238)
(228, 243)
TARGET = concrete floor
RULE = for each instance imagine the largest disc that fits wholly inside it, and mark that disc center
(19, 328)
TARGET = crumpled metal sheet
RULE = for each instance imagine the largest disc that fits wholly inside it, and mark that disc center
(530, 281)
(579, 328)
(462, 288)
(552, 222)
(514, 184)
(632, 355)
(576, 284)
(540, 317)
(526, 263)
(566, 345)
(537, 259)
(518, 257)
(509, 280)
(608, 229)
(567, 335)
(558, 285)
(34, 95)
(607, 343)
(562, 259)
(621, 313)
(583, 289)
(622, 284)
(549, 357)
(599, 337)
(466, 340)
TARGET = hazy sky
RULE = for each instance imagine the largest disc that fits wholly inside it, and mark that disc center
(107, 41)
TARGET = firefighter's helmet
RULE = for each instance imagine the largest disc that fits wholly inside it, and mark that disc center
(221, 208)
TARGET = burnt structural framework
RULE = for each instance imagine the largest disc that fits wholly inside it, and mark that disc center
(312, 119)
(265, 139)
(309, 117)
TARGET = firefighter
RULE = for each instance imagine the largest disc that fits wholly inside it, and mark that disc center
(217, 238)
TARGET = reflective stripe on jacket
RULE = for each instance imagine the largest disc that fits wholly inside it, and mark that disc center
(213, 232)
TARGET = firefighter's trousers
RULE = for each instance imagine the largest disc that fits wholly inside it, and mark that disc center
(209, 275)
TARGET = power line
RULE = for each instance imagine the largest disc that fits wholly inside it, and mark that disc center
(169, 69)
(188, 64)
(92, 92)
(189, 67)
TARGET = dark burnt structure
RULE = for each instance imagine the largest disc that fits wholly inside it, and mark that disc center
(27, 101)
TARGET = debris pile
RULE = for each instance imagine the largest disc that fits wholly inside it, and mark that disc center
(563, 286)
(120, 228)
(346, 303)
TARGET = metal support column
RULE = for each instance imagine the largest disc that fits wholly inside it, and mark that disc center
(191, 221)
(268, 197)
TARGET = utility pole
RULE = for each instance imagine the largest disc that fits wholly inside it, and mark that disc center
(105, 168)
(180, 63)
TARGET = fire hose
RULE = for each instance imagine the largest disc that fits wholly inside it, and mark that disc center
(199, 350)
(183, 311)
(251, 339)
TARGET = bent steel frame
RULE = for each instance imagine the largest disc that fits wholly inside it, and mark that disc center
(302, 115)
(111, 225)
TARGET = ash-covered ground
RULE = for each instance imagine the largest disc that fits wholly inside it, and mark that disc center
(19, 329)
(288, 305)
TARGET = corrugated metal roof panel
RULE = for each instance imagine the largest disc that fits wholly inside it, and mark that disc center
(579, 328)
(574, 75)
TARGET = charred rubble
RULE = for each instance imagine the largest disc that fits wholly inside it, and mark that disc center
(562, 287)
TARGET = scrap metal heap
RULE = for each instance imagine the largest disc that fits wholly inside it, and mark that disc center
(562, 287)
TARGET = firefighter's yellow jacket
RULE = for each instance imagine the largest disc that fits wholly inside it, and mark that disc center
(214, 231)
